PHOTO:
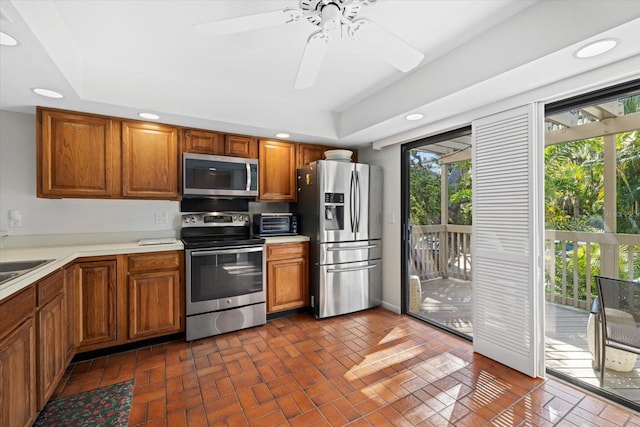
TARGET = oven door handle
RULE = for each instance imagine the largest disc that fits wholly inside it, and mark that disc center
(227, 251)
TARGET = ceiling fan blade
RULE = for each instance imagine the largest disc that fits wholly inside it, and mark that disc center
(241, 24)
(312, 58)
(388, 46)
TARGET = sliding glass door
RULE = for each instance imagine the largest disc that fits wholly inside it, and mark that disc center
(438, 219)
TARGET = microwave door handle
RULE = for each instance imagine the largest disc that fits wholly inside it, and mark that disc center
(248, 176)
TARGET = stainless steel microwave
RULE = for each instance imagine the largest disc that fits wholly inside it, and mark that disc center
(219, 176)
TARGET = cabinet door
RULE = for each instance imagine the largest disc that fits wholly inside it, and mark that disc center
(18, 376)
(95, 302)
(287, 276)
(77, 155)
(155, 305)
(150, 160)
(69, 288)
(287, 285)
(241, 146)
(203, 142)
(52, 347)
(277, 171)
(308, 153)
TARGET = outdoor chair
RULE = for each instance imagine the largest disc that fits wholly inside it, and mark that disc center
(617, 312)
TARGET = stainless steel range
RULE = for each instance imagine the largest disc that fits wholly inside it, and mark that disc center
(225, 274)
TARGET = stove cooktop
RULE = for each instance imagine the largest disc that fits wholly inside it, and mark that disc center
(217, 229)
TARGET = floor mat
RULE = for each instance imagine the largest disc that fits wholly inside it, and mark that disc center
(105, 406)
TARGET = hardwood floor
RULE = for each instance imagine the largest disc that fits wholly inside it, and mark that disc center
(371, 368)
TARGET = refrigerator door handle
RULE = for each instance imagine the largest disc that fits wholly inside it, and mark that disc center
(344, 270)
(352, 189)
(358, 202)
(353, 248)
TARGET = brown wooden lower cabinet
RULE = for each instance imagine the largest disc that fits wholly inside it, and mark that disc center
(87, 305)
(287, 276)
(95, 303)
(18, 396)
(51, 334)
(154, 288)
(69, 293)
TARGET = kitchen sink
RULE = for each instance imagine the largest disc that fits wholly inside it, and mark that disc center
(12, 269)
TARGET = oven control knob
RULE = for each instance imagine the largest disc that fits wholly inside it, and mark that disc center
(228, 301)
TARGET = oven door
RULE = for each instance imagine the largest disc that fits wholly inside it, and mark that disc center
(223, 278)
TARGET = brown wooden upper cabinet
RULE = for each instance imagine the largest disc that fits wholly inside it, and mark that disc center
(241, 146)
(308, 153)
(150, 158)
(209, 142)
(203, 142)
(78, 155)
(84, 155)
(277, 171)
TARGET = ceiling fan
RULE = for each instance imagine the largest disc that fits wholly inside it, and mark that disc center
(330, 16)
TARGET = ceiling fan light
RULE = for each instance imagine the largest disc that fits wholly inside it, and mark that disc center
(8, 40)
(596, 48)
(47, 93)
(414, 116)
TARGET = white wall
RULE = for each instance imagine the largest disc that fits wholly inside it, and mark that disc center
(389, 159)
(61, 216)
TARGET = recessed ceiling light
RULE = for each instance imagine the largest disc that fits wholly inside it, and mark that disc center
(48, 93)
(414, 116)
(596, 48)
(149, 116)
(7, 40)
(282, 135)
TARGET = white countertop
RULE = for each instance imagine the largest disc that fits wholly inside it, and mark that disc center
(62, 255)
(286, 239)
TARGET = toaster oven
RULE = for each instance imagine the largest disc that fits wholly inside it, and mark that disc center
(275, 224)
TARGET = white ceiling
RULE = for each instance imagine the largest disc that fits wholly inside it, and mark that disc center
(123, 57)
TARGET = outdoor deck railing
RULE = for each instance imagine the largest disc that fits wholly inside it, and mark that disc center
(441, 251)
(572, 259)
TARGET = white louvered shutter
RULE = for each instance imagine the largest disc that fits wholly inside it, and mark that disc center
(508, 238)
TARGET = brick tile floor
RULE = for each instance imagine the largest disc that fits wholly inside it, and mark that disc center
(372, 368)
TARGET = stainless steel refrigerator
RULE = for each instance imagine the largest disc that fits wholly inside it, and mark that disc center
(340, 209)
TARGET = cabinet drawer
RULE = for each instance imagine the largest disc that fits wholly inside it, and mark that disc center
(154, 261)
(286, 250)
(16, 308)
(49, 287)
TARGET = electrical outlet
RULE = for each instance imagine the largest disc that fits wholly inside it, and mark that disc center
(162, 218)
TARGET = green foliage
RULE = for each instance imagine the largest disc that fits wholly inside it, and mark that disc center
(459, 189)
(628, 182)
(424, 192)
